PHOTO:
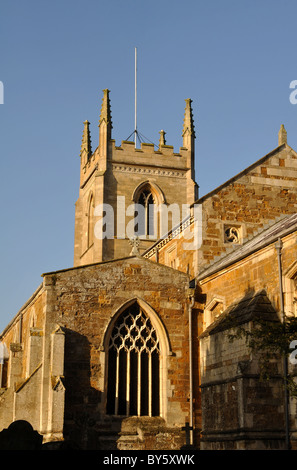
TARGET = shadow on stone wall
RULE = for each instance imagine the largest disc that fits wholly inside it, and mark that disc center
(84, 425)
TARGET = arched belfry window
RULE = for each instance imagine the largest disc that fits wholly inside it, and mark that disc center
(133, 387)
(146, 217)
(148, 199)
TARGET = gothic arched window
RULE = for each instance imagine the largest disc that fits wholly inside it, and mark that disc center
(133, 366)
(146, 217)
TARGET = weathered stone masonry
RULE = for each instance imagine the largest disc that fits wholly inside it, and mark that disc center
(124, 352)
(79, 306)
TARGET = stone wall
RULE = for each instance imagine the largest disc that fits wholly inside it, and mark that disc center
(251, 200)
(23, 337)
(240, 411)
(63, 392)
(255, 198)
(112, 172)
(84, 302)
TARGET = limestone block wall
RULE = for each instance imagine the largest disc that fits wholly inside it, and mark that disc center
(250, 201)
(60, 386)
(239, 410)
(256, 271)
(127, 168)
(179, 249)
(84, 302)
(32, 390)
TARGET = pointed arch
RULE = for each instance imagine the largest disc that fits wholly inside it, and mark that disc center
(148, 198)
(153, 187)
(156, 321)
(136, 348)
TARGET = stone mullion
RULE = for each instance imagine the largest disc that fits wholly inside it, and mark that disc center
(139, 385)
(146, 217)
(128, 385)
(144, 333)
(150, 385)
(116, 406)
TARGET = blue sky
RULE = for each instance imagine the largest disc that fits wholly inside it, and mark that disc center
(235, 59)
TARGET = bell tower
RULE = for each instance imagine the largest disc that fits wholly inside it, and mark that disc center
(126, 191)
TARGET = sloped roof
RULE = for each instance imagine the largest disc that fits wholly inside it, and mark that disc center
(111, 262)
(250, 307)
(285, 226)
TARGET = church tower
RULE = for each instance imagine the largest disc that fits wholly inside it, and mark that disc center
(128, 192)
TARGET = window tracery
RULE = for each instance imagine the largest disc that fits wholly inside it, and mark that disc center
(133, 366)
(232, 234)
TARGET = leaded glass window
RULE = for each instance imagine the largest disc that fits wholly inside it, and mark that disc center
(133, 366)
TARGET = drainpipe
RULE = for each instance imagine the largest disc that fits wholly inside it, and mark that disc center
(192, 301)
(278, 247)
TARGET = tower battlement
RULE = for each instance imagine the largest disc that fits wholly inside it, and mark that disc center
(127, 150)
(114, 171)
(150, 148)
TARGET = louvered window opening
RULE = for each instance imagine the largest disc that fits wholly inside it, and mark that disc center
(133, 366)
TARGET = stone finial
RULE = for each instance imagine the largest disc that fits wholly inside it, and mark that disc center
(105, 114)
(282, 135)
(86, 141)
(162, 140)
(134, 242)
(188, 119)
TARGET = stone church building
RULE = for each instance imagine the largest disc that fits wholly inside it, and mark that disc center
(129, 347)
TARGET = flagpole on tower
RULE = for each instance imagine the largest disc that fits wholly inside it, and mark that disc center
(137, 135)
